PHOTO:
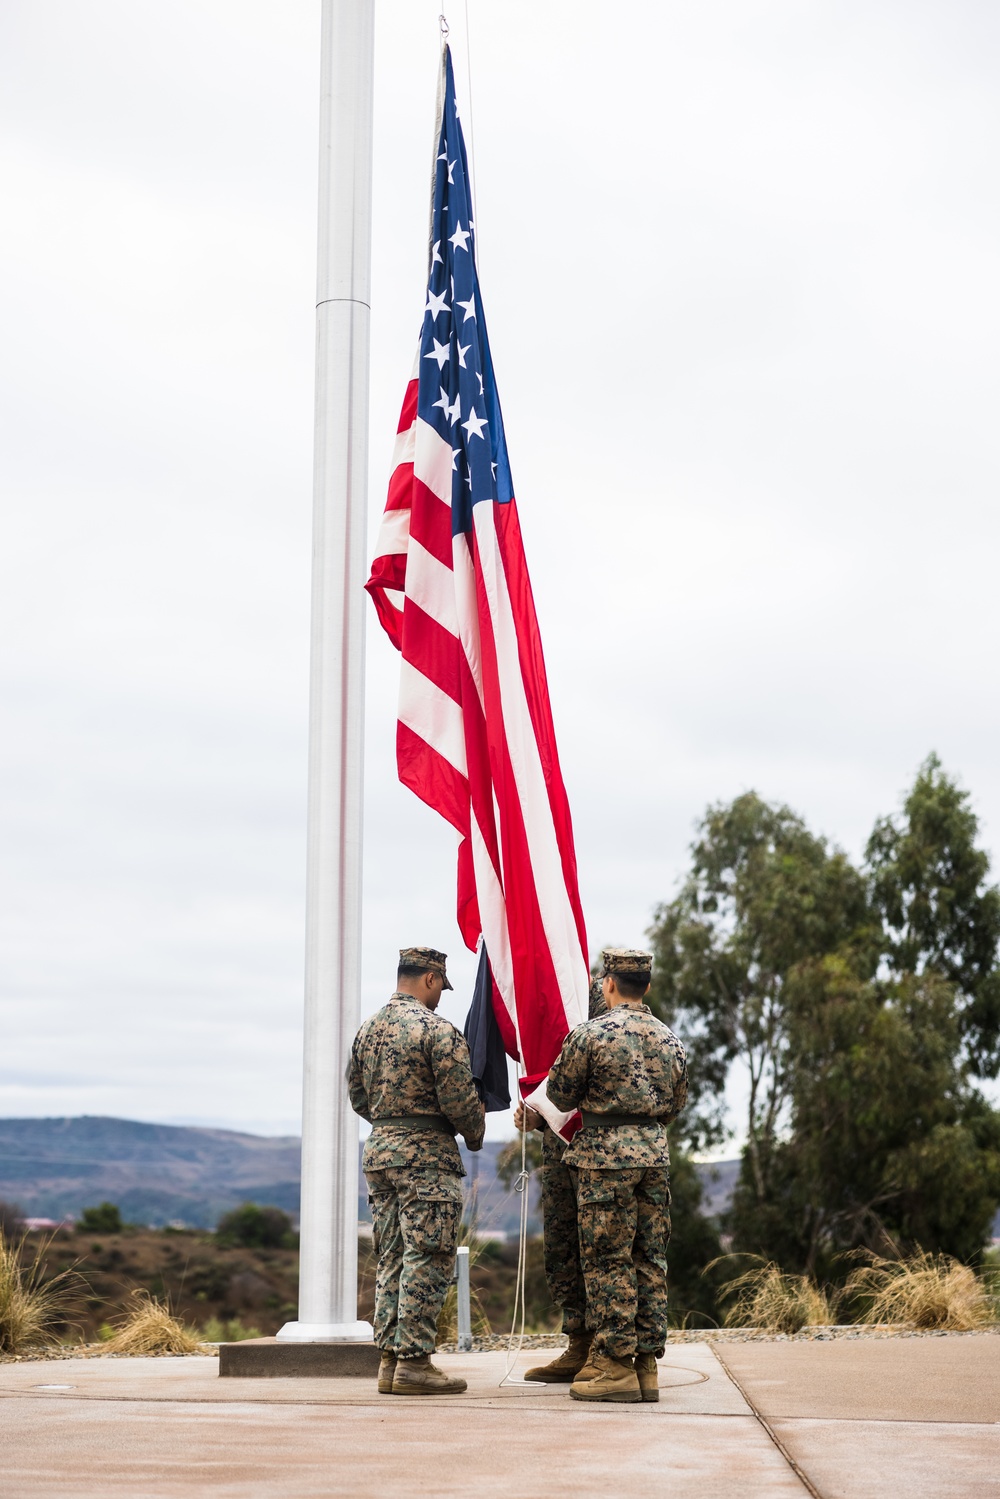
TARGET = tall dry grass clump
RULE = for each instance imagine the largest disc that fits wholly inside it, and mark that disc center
(31, 1307)
(150, 1329)
(767, 1298)
(447, 1322)
(922, 1291)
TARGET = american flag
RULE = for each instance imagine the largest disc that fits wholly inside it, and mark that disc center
(474, 737)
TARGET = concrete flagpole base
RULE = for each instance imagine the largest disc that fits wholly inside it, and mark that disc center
(274, 1358)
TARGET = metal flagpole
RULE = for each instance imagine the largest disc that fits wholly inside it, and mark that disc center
(328, 1274)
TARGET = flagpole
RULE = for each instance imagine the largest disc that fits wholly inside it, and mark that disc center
(328, 1272)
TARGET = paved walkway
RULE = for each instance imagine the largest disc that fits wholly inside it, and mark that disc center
(849, 1420)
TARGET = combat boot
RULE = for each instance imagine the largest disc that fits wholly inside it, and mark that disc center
(567, 1367)
(648, 1376)
(615, 1379)
(418, 1376)
(386, 1372)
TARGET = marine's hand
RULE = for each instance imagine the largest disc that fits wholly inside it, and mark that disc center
(525, 1118)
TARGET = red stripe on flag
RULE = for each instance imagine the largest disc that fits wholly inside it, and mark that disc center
(433, 650)
(400, 487)
(536, 689)
(431, 777)
(408, 414)
(430, 523)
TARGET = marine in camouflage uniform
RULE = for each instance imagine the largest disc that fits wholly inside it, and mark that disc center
(561, 1241)
(410, 1077)
(627, 1073)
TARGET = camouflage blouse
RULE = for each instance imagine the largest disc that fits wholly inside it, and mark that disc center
(554, 1147)
(405, 1062)
(624, 1062)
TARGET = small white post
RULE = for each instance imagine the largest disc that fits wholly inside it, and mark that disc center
(328, 1273)
(464, 1299)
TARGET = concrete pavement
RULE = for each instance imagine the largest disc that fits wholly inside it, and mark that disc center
(914, 1417)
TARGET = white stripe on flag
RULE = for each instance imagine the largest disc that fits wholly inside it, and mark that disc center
(431, 586)
(558, 917)
(432, 715)
(468, 612)
(432, 461)
(493, 917)
(393, 533)
(404, 447)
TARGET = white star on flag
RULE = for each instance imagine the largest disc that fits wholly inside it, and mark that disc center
(440, 352)
(474, 426)
(436, 302)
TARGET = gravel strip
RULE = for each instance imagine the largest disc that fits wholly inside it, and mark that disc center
(737, 1335)
(498, 1343)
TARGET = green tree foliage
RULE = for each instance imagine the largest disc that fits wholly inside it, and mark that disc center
(694, 1243)
(254, 1227)
(763, 895)
(888, 1144)
(928, 883)
(858, 1002)
(105, 1219)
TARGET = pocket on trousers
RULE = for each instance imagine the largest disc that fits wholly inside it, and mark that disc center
(594, 1193)
(432, 1216)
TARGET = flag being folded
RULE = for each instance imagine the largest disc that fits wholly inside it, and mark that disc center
(475, 738)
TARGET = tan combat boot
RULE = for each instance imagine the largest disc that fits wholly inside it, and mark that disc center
(648, 1375)
(386, 1371)
(615, 1380)
(567, 1367)
(418, 1376)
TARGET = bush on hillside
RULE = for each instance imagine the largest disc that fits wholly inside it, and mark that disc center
(105, 1219)
(252, 1227)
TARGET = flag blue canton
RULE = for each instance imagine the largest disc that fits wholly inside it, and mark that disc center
(456, 391)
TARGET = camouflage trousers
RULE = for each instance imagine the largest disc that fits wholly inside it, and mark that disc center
(561, 1235)
(415, 1217)
(624, 1216)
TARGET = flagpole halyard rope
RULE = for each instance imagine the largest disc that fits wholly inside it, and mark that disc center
(472, 131)
(521, 1186)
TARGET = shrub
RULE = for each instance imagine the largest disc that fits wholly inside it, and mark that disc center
(106, 1219)
(253, 1227)
(31, 1307)
(775, 1302)
(923, 1290)
(233, 1331)
(150, 1328)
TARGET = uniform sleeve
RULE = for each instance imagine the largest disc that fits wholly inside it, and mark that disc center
(456, 1091)
(569, 1076)
(680, 1082)
(356, 1087)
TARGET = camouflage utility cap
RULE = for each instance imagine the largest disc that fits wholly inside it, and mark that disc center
(630, 962)
(427, 959)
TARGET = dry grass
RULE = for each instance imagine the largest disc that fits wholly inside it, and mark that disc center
(447, 1323)
(151, 1329)
(767, 1298)
(922, 1291)
(31, 1307)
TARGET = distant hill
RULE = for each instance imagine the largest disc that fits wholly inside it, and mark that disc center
(163, 1173)
(156, 1173)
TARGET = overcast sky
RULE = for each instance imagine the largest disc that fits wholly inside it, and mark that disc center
(739, 260)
